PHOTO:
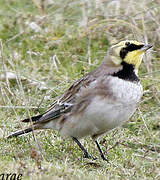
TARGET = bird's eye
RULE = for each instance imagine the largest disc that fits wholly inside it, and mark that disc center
(127, 43)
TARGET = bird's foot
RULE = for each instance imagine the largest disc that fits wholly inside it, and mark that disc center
(104, 158)
(86, 155)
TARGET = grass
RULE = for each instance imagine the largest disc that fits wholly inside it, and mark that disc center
(44, 48)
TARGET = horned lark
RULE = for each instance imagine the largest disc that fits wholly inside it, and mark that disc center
(98, 102)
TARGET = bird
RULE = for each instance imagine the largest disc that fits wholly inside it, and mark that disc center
(99, 101)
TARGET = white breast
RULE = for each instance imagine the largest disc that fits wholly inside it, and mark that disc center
(104, 114)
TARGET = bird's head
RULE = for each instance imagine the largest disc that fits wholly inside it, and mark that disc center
(128, 51)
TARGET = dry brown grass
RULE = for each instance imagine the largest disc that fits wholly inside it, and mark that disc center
(45, 45)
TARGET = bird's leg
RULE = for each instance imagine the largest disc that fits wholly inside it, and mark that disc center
(101, 153)
(86, 155)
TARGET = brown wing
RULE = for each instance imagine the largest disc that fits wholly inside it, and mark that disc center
(70, 95)
(66, 102)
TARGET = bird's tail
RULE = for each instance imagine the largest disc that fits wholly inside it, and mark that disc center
(34, 118)
(18, 133)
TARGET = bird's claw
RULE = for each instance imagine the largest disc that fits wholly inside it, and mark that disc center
(86, 155)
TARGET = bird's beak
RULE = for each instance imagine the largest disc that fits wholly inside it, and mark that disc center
(146, 47)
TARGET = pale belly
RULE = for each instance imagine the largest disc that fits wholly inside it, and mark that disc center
(99, 117)
(104, 114)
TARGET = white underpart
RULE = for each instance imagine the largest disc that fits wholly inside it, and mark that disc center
(102, 115)
(136, 72)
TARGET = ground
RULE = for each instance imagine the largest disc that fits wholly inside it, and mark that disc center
(44, 47)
